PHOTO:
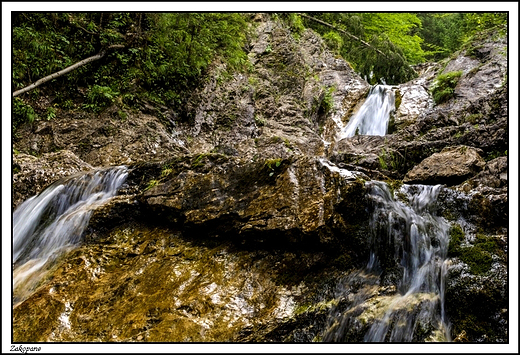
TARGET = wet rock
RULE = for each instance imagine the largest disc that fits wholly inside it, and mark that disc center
(466, 291)
(451, 166)
(301, 200)
(161, 285)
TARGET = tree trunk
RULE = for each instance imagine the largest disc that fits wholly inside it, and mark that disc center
(344, 32)
(65, 71)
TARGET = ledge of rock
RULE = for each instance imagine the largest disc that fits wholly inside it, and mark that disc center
(451, 166)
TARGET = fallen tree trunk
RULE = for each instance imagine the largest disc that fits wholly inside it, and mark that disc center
(66, 70)
(344, 32)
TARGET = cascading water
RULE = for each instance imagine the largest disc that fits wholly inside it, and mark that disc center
(406, 230)
(48, 224)
(400, 293)
(374, 115)
(421, 243)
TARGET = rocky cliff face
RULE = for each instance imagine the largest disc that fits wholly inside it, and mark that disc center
(243, 222)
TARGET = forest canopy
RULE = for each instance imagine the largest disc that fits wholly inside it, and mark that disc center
(161, 57)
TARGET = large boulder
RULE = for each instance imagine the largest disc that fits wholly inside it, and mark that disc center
(451, 166)
(303, 199)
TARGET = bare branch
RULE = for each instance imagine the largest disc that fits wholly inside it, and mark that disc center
(66, 70)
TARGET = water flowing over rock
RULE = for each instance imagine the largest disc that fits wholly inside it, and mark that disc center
(48, 224)
(31, 175)
(292, 203)
(373, 117)
(409, 246)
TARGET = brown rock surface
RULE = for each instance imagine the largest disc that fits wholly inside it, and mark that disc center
(451, 166)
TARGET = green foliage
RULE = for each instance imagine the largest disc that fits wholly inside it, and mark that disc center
(478, 22)
(445, 33)
(273, 165)
(328, 101)
(400, 28)
(391, 160)
(164, 55)
(443, 88)
(333, 41)
(198, 161)
(99, 97)
(50, 113)
(152, 183)
(495, 154)
(295, 23)
(22, 112)
(394, 35)
(442, 33)
(185, 44)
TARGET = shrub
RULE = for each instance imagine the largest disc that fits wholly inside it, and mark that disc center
(443, 87)
(333, 40)
(99, 97)
(22, 112)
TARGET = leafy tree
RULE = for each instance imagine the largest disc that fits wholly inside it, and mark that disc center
(445, 33)
(160, 56)
(400, 28)
(393, 43)
(442, 33)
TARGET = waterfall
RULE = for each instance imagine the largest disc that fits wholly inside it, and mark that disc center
(411, 241)
(47, 225)
(374, 115)
(421, 241)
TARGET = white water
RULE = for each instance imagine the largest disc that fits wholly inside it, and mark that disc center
(48, 224)
(374, 115)
(408, 238)
(421, 241)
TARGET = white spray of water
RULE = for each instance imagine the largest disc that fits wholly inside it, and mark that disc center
(374, 115)
(423, 240)
(48, 224)
(405, 229)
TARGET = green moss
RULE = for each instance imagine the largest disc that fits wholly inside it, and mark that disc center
(398, 99)
(315, 307)
(456, 238)
(477, 256)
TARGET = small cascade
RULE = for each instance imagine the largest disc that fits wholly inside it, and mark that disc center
(373, 116)
(411, 241)
(48, 224)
